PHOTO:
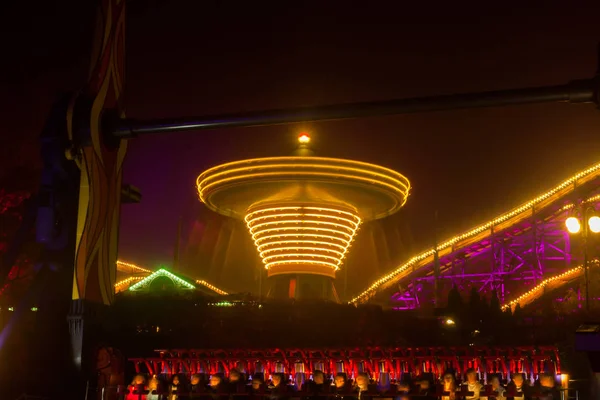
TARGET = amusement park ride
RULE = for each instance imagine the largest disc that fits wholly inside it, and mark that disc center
(526, 246)
(76, 211)
(303, 212)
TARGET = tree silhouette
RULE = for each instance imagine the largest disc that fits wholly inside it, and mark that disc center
(495, 309)
(454, 301)
(518, 313)
(474, 299)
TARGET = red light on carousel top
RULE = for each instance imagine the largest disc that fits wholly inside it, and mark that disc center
(304, 139)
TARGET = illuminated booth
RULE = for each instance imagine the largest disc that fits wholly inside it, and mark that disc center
(303, 212)
(136, 279)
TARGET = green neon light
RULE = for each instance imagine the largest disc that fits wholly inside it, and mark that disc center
(223, 304)
(161, 272)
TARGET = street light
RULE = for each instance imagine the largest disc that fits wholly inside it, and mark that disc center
(594, 223)
(575, 226)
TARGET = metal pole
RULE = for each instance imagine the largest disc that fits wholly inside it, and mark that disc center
(585, 260)
(578, 91)
(587, 279)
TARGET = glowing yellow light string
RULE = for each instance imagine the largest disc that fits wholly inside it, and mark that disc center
(263, 246)
(303, 248)
(127, 280)
(267, 226)
(301, 235)
(301, 162)
(312, 255)
(303, 222)
(370, 181)
(295, 228)
(129, 265)
(541, 285)
(266, 210)
(303, 215)
(303, 261)
(589, 200)
(447, 244)
(211, 287)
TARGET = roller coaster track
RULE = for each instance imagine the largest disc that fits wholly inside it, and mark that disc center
(527, 244)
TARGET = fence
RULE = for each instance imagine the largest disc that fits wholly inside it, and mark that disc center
(397, 363)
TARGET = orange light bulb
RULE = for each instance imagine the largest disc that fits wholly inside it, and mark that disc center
(304, 139)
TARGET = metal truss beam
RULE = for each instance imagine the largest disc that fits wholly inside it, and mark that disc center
(503, 262)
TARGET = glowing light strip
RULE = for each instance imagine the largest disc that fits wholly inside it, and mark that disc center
(303, 215)
(310, 248)
(295, 228)
(129, 265)
(127, 280)
(303, 261)
(211, 287)
(302, 162)
(545, 282)
(326, 162)
(312, 255)
(333, 210)
(589, 200)
(303, 222)
(299, 235)
(161, 272)
(262, 247)
(266, 224)
(295, 174)
(475, 231)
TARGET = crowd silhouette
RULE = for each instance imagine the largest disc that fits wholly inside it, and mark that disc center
(278, 386)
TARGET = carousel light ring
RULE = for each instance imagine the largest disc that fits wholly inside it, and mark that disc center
(296, 235)
(262, 177)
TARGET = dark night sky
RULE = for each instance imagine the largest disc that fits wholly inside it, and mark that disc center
(187, 57)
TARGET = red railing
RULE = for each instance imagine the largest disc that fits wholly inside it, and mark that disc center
(393, 361)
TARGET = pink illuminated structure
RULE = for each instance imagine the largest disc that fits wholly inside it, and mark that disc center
(512, 254)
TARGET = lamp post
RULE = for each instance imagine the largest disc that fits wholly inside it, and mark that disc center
(591, 223)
